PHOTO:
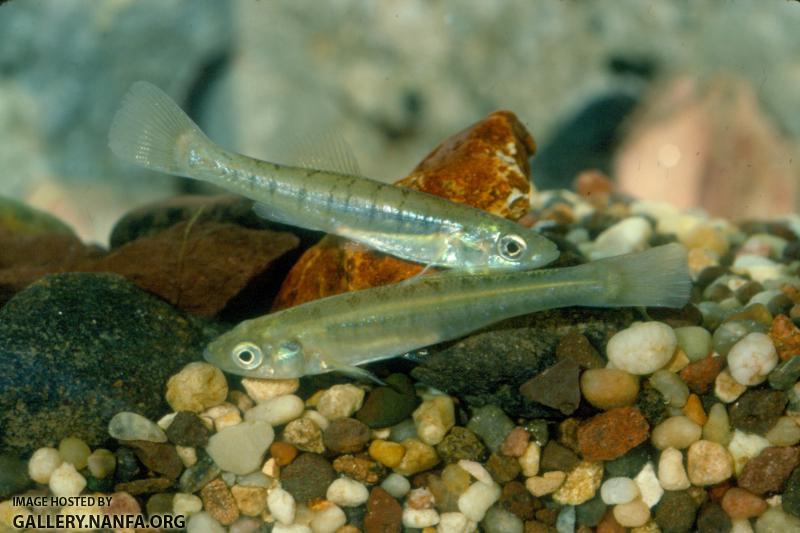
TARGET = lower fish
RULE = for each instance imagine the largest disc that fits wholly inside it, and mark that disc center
(151, 130)
(340, 332)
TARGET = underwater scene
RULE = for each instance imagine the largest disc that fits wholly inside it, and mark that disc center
(423, 266)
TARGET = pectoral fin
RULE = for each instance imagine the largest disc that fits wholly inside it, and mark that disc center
(357, 373)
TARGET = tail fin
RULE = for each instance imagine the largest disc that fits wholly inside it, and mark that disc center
(151, 130)
(658, 277)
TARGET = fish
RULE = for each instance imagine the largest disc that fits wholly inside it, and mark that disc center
(342, 332)
(150, 130)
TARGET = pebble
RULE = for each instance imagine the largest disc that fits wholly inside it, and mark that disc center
(676, 511)
(606, 388)
(503, 468)
(329, 519)
(73, 450)
(219, 502)
(556, 387)
(676, 432)
(791, 497)
(529, 461)
(785, 432)
(693, 409)
(240, 449)
(674, 390)
(626, 236)
(477, 499)
(340, 401)
(308, 477)
(203, 522)
(66, 481)
(499, 520)
(700, 375)
(158, 457)
(294, 528)
(387, 406)
(283, 452)
(461, 443)
(518, 500)
(759, 268)
(388, 453)
(758, 410)
(642, 348)
(769, 470)
(42, 464)
(695, 341)
(581, 484)
(712, 518)
(196, 387)
(649, 487)
(223, 415)
(383, 512)
(774, 520)
(305, 435)
(346, 435)
(545, 484)
(187, 429)
(250, 500)
(751, 359)
(317, 418)
(786, 374)
(731, 332)
(708, 463)
(434, 418)
(194, 477)
(132, 426)
(740, 503)
(632, 514)
(455, 522)
(577, 347)
(516, 442)
(281, 505)
(418, 457)
(726, 388)
(347, 492)
(785, 336)
(491, 424)
(420, 518)
(186, 504)
(277, 411)
(618, 490)
(671, 473)
(610, 434)
(476, 470)
(262, 390)
(396, 485)
(744, 446)
(557, 457)
(359, 467)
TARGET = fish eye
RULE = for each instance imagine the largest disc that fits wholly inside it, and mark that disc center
(247, 355)
(511, 247)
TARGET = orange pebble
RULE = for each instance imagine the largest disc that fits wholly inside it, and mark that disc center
(694, 410)
(283, 452)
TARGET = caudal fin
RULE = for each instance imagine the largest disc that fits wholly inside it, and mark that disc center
(658, 277)
(150, 130)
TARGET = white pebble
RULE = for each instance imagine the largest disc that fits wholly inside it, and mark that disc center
(476, 470)
(420, 518)
(649, 487)
(321, 422)
(775, 520)
(671, 473)
(281, 505)
(741, 525)
(642, 348)
(434, 418)
(42, 463)
(396, 485)
(277, 411)
(628, 235)
(240, 449)
(262, 390)
(744, 446)
(186, 504)
(476, 500)
(752, 358)
(529, 461)
(328, 519)
(166, 420)
(66, 481)
(187, 455)
(347, 492)
(455, 523)
(340, 401)
(759, 268)
(618, 490)
(132, 426)
(203, 523)
(726, 388)
(294, 528)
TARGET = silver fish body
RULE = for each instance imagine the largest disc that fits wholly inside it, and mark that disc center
(150, 130)
(343, 331)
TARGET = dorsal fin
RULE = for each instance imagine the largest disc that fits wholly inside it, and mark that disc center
(326, 150)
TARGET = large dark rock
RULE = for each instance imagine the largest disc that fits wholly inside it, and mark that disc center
(78, 348)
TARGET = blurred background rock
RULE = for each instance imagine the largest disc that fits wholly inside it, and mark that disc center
(690, 102)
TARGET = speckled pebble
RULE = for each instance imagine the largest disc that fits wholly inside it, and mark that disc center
(581, 484)
(196, 387)
(434, 418)
(516, 442)
(219, 502)
(610, 434)
(187, 429)
(740, 503)
(708, 463)
(758, 410)
(305, 435)
(340, 401)
(530, 460)
(461, 443)
(346, 435)
(133, 426)
(251, 501)
(642, 348)
(491, 424)
(383, 512)
(769, 470)
(744, 446)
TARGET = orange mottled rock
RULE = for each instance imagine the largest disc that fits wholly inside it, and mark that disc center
(283, 452)
(694, 410)
(700, 375)
(595, 186)
(785, 336)
(611, 434)
(485, 166)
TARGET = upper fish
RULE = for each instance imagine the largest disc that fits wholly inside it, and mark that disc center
(152, 131)
(343, 331)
